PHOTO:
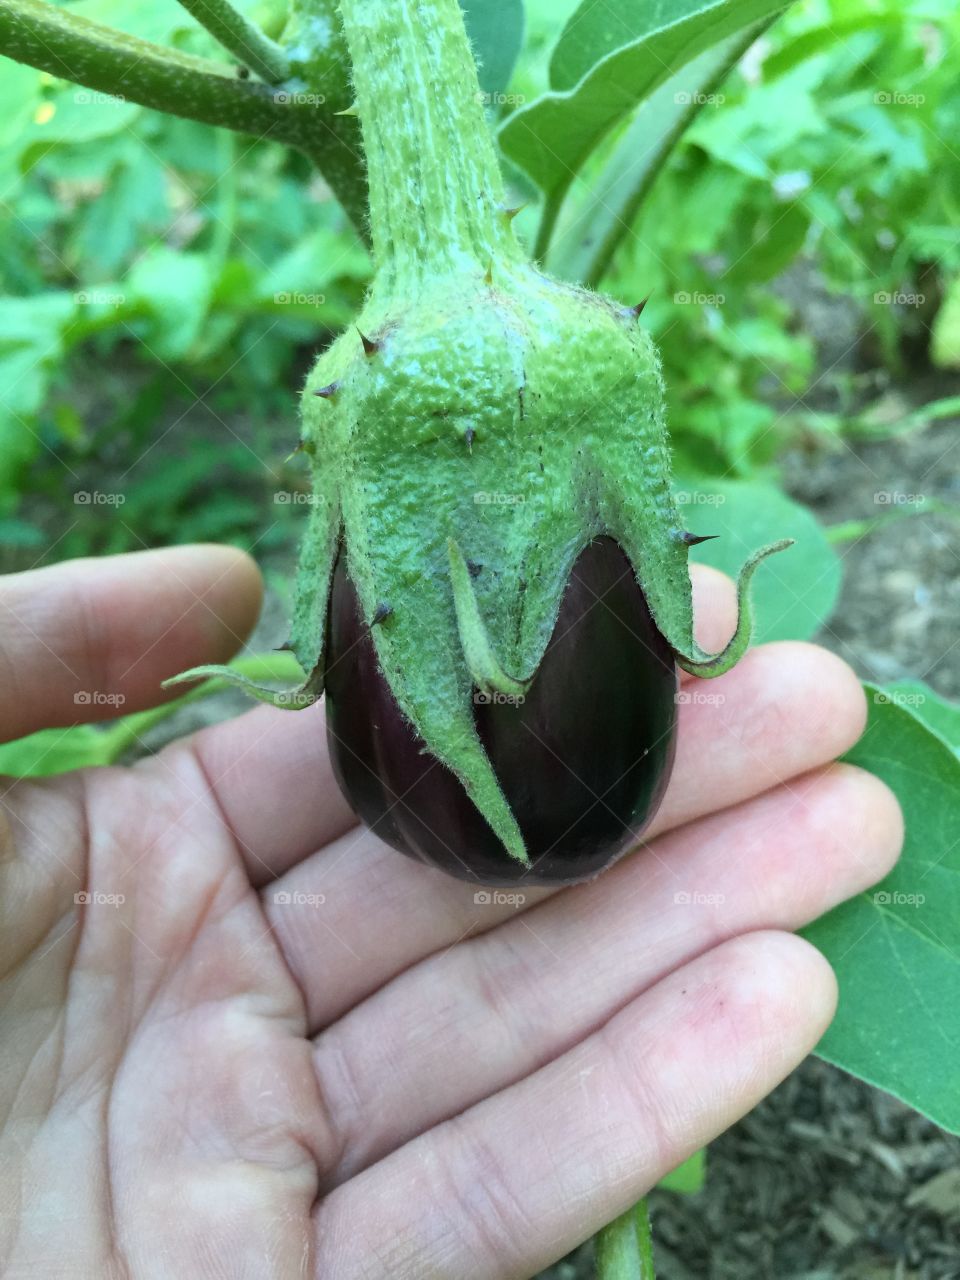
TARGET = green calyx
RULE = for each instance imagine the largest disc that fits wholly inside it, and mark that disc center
(482, 427)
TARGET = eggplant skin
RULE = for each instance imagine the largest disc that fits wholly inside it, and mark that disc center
(583, 761)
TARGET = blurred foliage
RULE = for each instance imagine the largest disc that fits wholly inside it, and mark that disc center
(166, 284)
(834, 143)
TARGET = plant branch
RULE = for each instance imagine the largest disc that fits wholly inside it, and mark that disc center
(74, 48)
(624, 1249)
(241, 37)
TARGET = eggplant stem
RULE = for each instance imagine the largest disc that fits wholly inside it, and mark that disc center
(478, 652)
(708, 665)
(304, 695)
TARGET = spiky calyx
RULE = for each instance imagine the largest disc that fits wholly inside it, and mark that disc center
(480, 413)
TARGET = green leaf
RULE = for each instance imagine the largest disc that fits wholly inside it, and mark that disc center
(495, 28)
(606, 212)
(639, 46)
(689, 1177)
(937, 713)
(896, 948)
(793, 593)
(72, 117)
(50, 751)
(176, 287)
(19, 99)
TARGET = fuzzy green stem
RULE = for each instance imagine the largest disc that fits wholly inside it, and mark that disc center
(70, 47)
(241, 37)
(435, 186)
(624, 1249)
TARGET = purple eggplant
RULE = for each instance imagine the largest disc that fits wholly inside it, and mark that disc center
(583, 759)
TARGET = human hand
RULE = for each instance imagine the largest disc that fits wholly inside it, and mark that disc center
(289, 1051)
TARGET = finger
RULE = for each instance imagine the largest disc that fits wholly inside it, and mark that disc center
(284, 756)
(784, 710)
(515, 1182)
(90, 639)
(714, 609)
(539, 983)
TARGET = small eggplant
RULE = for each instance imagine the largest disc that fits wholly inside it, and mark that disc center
(492, 482)
(583, 756)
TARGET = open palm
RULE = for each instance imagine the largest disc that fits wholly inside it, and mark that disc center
(242, 1038)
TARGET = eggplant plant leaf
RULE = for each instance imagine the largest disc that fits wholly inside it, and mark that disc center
(495, 28)
(794, 594)
(611, 57)
(896, 948)
(937, 713)
(689, 1177)
(605, 213)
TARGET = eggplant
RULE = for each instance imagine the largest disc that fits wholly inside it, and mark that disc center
(489, 453)
(583, 757)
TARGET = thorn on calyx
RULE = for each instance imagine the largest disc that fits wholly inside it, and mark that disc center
(691, 539)
(381, 613)
(352, 110)
(370, 348)
(488, 274)
(329, 391)
(474, 569)
(637, 311)
(286, 647)
(469, 436)
(508, 215)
